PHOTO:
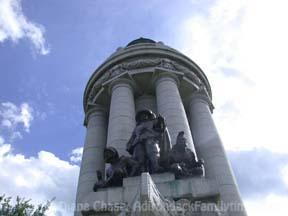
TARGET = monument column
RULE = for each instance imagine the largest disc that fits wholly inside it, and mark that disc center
(209, 147)
(122, 115)
(146, 102)
(170, 106)
(92, 157)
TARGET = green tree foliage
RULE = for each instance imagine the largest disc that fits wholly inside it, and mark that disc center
(22, 207)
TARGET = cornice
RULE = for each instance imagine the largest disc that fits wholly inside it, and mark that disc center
(159, 55)
(122, 81)
(162, 75)
(201, 95)
(94, 109)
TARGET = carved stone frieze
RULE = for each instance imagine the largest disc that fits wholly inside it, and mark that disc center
(134, 64)
(141, 63)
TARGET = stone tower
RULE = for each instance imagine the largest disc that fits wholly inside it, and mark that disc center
(150, 75)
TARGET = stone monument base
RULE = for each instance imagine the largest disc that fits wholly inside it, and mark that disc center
(158, 194)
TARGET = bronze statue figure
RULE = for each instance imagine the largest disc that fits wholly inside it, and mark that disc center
(182, 161)
(151, 152)
(150, 141)
(120, 167)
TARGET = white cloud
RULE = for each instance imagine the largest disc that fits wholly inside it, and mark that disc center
(14, 26)
(4, 149)
(40, 178)
(256, 181)
(285, 174)
(76, 155)
(15, 118)
(266, 206)
(26, 115)
(242, 46)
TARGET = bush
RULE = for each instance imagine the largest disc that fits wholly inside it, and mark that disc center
(22, 207)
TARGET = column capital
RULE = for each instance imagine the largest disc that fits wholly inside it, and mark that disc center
(94, 109)
(121, 82)
(164, 76)
(201, 95)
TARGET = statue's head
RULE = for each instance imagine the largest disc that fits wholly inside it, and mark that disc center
(110, 154)
(144, 115)
(181, 141)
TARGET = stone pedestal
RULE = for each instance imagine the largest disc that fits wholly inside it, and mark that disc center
(152, 195)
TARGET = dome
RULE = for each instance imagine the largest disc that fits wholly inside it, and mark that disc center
(140, 40)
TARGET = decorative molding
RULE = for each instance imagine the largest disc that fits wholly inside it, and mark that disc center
(94, 109)
(201, 94)
(135, 64)
(164, 75)
(121, 81)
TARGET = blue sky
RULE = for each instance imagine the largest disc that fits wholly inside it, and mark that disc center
(49, 49)
(79, 36)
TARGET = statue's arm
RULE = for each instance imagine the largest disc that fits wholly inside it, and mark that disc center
(109, 176)
(99, 175)
(130, 143)
(101, 183)
(134, 166)
(160, 124)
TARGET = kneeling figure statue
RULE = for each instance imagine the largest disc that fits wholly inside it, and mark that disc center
(120, 167)
(182, 161)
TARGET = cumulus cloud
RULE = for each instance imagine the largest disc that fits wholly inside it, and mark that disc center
(40, 178)
(14, 119)
(14, 26)
(260, 172)
(241, 46)
(76, 155)
(12, 115)
(4, 149)
(242, 50)
(268, 205)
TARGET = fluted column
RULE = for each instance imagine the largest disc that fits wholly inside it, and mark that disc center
(146, 102)
(208, 146)
(92, 157)
(170, 106)
(122, 115)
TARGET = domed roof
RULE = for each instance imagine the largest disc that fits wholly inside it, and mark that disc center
(140, 40)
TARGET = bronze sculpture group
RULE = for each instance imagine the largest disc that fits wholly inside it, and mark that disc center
(151, 151)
